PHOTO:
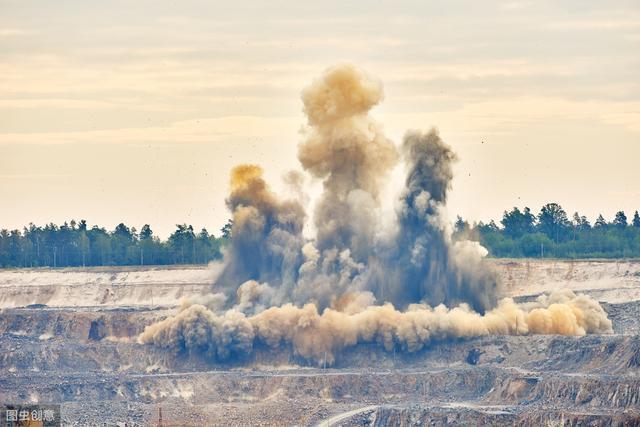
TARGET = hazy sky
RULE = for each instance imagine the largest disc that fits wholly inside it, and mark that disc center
(135, 111)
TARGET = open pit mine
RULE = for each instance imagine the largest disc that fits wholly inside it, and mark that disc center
(70, 336)
(345, 315)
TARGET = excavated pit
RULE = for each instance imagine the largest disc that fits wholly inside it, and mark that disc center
(69, 337)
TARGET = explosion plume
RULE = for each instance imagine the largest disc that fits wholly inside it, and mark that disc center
(350, 284)
(314, 335)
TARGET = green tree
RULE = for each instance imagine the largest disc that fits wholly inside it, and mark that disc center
(146, 244)
(517, 223)
(460, 224)
(182, 243)
(226, 230)
(16, 255)
(600, 222)
(4, 248)
(636, 220)
(581, 222)
(620, 220)
(203, 246)
(553, 221)
(34, 235)
(535, 245)
(84, 246)
(100, 240)
(488, 228)
(121, 240)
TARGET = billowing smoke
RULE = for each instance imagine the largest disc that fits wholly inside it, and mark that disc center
(347, 150)
(350, 283)
(200, 330)
(266, 243)
(426, 265)
(316, 336)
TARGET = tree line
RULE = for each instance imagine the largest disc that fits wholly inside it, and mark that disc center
(74, 244)
(551, 233)
(520, 233)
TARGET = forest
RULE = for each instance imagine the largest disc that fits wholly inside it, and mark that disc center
(553, 234)
(74, 244)
(520, 233)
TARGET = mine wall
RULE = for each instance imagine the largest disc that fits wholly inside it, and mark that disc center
(66, 341)
(610, 280)
(417, 415)
(85, 355)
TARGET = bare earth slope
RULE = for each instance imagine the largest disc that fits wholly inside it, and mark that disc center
(68, 336)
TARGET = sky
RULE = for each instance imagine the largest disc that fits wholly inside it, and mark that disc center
(135, 112)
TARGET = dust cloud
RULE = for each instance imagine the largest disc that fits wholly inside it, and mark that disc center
(349, 283)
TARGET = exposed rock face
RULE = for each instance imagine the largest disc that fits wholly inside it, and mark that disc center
(117, 287)
(97, 329)
(417, 415)
(87, 359)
